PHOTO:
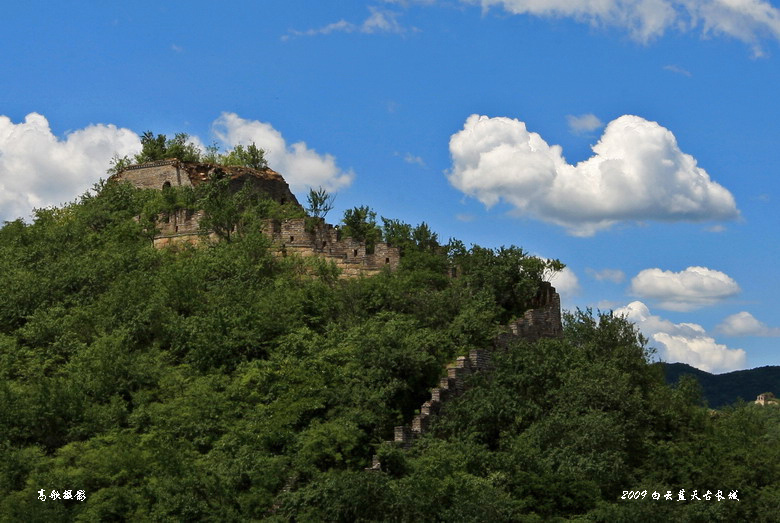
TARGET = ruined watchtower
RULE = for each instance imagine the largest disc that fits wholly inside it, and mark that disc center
(174, 173)
(289, 236)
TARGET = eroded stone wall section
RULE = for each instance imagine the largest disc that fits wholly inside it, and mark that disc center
(155, 175)
(542, 320)
(174, 173)
(323, 239)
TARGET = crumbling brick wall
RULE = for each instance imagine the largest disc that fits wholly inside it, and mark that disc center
(323, 239)
(155, 175)
(543, 319)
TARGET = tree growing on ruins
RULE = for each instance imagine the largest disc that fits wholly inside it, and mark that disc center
(360, 224)
(510, 274)
(219, 205)
(160, 147)
(320, 202)
(251, 156)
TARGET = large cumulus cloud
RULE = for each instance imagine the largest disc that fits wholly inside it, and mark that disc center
(637, 172)
(684, 342)
(686, 290)
(38, 169)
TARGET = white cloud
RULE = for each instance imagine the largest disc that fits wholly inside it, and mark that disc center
(644, 19)
(378, 21)
(684, 342)
(746, 20)
(410, 158)
(465, 217)
(381, 21)
(745, 324)
(686, 290)
(38, 169)
(584, 123)
(342, 26)
(566, 283)
(677, 69)
(637, 172)
(613, 275)
(301, 167)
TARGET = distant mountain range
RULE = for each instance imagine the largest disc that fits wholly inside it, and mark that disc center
(723, 389)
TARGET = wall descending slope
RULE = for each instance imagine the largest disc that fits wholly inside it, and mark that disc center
(542, 321)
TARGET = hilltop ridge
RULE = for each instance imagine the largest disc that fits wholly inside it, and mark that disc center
(724, 389)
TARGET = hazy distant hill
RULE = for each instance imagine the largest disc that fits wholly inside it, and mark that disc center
(724, 389)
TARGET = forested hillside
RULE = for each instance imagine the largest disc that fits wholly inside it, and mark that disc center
(723, 389)
(223, 383)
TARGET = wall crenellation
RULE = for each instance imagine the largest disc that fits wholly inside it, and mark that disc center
(324, 240)
(543, 321)
(293, 237)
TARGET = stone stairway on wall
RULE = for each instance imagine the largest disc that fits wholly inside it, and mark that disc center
(543, 321)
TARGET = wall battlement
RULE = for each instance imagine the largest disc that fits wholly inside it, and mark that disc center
(292, 237)
(323, 239)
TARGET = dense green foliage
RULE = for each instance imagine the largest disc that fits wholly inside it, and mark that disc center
(154, 148)
(222, 383)
(360, 224)
(160, 147)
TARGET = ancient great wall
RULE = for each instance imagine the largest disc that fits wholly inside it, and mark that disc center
(316, 238)
(292, 236)
(542, 321)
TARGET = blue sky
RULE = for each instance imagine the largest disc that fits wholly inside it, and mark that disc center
(635, 140)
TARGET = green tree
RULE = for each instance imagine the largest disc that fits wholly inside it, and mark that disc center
(424, 238)
(397, 233)
(360, 224)
(220, 206)
(509, 273)
(320, 202)
(160, 147)
(118, 164)
(250, 156)
(211, 154)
